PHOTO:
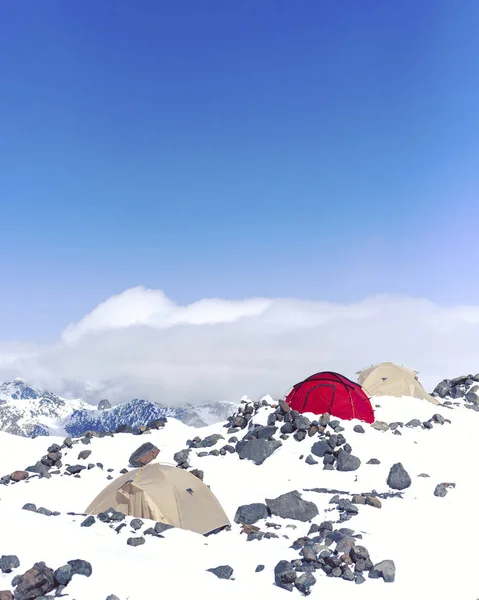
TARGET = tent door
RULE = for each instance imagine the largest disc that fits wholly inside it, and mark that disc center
(330, 393)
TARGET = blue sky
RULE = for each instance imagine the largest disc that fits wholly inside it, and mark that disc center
(322, 150)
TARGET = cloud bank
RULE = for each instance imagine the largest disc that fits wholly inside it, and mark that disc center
(142, 344)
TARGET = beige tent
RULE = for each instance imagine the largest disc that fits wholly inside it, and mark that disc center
(389, 379)
(163, 493)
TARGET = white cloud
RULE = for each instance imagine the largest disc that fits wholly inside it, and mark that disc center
(142, 344)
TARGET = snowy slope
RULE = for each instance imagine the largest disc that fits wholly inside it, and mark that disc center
(430, 539)
(27, 411)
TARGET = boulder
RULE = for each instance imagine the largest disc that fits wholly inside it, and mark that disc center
(257, 450)
(37, 581)
(320, 449)
(88, 522)
(248, 514)
(292, 506)
(84, 454)
(398, 478)
(144, 455)
(6, 595)
(304, 583)
(284, 407)
(440, 490)
(285, 575)
(222, 572)
(63, 575)
(80, 567)
(182, 456)
(347, 462)
(135, 541)
(302, 423)
(74, 469)
(358, 429)
(385, 569)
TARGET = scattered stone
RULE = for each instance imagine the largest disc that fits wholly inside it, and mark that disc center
(248, 514)
(222, 572)
(88, 522)
(292, 506)
(135, 541)
(143, 455)
(6, 595)
(84, 454)
(440, 490)
(63, 575)
(80, 567)
(385, 569)
(74, 469)
(398, 478)
(209, 441)
(320, 449)
(44, 511)
(373, 461)
(258, 569)
(30, 507)
(358, 429)
(285, 575)
(373, 501)
(19, 476)
(304, 583)
(423, 475)
(8, 563)
(310, 460)
(347, 462)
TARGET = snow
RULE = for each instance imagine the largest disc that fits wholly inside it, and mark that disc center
(431, 540)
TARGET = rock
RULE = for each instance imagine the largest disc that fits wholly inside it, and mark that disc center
(198, 473)
(143, 455)
(320, 449)
(84, 454)
(63, 575)
(287, 428)
(40, 469)
(248, 514)
(398, 478)
(222, 572)
(44, 511)
(373, 461)
(385, 569)
(310, 460)
(443, 389)
(30, 507)
(373, 501)
(19, 475)
(299, 436)
(136, 524)
(347, 462)
(302, 423)
(284, 407)
(358, 429)
(439, 419)
(6, 595)
(68, 442)
(292, 506)
(258, 569)
(9, 562)
(74, 469)
(112, 597)
(210, 441)
(257, 450)
(80, 567)
(380, 425)
(285, 575)
(37, 581)
(88, 522)
(304, 583)
(135, 541)
(471, 396)
(104, 405)
(440, 490)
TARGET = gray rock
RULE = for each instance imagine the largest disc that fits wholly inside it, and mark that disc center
(248, 514)
(222, 572)
(385, 569)
(443, 389)
(288, 427)
(182, 456)
(88, 522)
(472, 397)
(112, 597)
(44, 511)
(310, 460)
(210, 441)
(347, 462)
(299, 436)
(80, 567)
(259, 568)
(271, 419)
(304, 583)
(40, 469)
(135, 541)
(373, 461)
(302, 423)
(439, 419)
(398, 478)
(63, 575)
(320, 449)
(136, 524)
(358, 429)
(440, 490)
(285, 407)
(9, 562)
(285, 575)
(257, 450)
(380, 425)
(74, 469)
(30, 507)
(292, 506)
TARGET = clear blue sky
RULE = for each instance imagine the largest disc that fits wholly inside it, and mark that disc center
(315, 148)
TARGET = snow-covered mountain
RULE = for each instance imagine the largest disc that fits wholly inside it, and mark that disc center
(27, 411)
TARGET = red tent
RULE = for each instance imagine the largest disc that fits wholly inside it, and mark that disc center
(331, 393)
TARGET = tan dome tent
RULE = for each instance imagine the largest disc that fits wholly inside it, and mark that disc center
(389, 379)
(166, 494)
